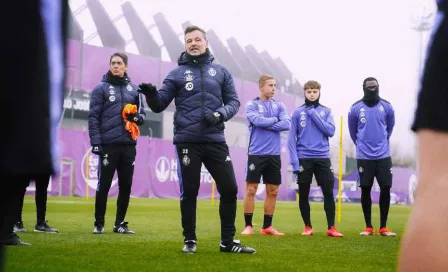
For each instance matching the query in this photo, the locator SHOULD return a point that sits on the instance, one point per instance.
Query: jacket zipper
(202, 100)
(122, 120)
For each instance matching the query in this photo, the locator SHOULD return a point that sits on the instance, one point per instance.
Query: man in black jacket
(205, 98)
(110, 140)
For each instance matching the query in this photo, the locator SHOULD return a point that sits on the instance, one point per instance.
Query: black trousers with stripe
(216, 159)
(120, 158)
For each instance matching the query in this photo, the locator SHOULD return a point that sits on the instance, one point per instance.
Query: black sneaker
(236, 247)
(189, 247)
(14, 240)
(18, 227)
(123, 228)
(44, 227)
(99, 227)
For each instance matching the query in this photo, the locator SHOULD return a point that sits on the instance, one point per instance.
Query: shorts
(319, 167)
(431, 103)
(267, 167)
(380, 169)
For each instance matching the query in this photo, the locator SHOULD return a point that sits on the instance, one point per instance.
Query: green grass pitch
(157, 244)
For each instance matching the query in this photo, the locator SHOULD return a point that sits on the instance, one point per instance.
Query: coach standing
(205, 98)
(112, 141)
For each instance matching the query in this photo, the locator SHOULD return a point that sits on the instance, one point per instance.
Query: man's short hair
(194, 28)
(369, 79)
(311, 84)
(123, 56)
(264, 78)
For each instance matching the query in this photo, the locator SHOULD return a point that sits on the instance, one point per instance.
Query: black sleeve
(432, 103)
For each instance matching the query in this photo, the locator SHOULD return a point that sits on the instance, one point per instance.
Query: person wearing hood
(371, 121)
(205, 98)
(110, 140)
(309, 151)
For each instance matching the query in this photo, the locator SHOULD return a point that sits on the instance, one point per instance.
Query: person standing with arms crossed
(267, 118)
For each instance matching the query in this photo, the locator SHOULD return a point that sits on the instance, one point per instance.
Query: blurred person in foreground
(424, 246)
(35, 41)
(40, 198)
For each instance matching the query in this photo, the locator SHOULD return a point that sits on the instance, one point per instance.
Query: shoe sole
(46, 231)
(237, 252)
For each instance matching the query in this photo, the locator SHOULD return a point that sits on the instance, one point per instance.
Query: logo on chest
(302, 119)
(111, 93)
(188, 75)
(189, 86)
(362, 115)
(211, 71)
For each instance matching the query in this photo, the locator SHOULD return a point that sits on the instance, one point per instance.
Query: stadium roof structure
(159, 40)
(145, 42)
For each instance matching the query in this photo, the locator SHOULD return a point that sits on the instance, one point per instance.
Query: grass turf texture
(158, 241)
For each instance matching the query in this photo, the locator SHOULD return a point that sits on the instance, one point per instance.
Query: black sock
(384, 205)
(329, 205)
(304, 204)
(248, 219)
(366, 203)
(267, 222)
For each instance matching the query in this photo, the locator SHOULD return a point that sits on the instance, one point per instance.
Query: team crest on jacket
(362, 112)
(129, 88)
(212, 71)
(381, 108)
(188, 75)
(322, 113)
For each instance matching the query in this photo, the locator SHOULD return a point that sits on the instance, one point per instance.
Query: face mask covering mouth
(371, 96)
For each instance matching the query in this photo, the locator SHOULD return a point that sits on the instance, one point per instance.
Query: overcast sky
(338, 43)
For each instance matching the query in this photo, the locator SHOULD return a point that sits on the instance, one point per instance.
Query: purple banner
(155, 173)
(355, 196)
(239, 89)
(288, 100)
(250, 91)
(95, 65)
